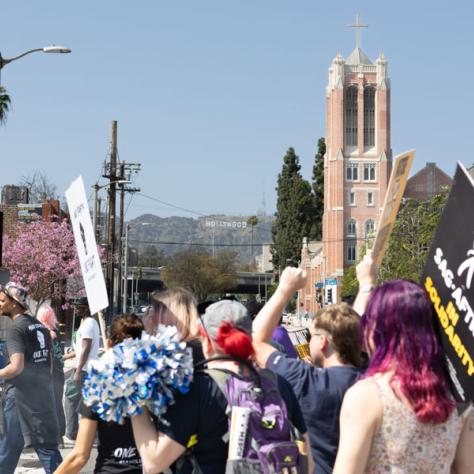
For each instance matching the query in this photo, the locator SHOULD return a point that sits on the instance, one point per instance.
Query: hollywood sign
(227, 224)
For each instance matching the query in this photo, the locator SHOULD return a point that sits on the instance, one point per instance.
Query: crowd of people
(373, 397)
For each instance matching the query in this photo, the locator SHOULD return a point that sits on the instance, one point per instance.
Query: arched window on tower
(369, 228)
(350, 116)
(369, 116)
(351, 228)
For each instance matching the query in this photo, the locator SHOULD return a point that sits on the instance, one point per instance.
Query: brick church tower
(358, 155)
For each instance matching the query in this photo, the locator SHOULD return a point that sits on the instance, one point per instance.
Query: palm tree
(252, 221)
(4, 105)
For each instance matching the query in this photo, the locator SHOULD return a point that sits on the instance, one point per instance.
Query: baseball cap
(225, 310)
(16, 292)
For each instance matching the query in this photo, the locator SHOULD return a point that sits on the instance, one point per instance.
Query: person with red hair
(47, 316)
(401, 417)
(193, 430)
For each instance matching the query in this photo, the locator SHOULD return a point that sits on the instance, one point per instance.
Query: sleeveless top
(404, 445)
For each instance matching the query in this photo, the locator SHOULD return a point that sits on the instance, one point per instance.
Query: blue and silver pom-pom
(139, 372)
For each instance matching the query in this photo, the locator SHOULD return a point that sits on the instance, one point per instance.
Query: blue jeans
(11, 445)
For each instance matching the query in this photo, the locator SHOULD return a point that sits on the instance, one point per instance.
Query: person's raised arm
(291, 280)
(367, 278)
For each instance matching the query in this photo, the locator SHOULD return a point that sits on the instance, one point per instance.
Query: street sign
(319, 284)
(331, 281)
(448, 279)
(86, 246)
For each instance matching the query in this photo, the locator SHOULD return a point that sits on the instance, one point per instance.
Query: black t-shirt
(319, 393)
(116, 451)
(33, 388)
(198, 419)
(29, 337)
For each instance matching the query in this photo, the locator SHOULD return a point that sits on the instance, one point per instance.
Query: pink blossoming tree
(42, 257)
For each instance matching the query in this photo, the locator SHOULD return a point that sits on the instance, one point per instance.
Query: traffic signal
(329, 296)
(319, 296)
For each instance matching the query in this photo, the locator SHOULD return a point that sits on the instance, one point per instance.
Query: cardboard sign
(86, 245)
(448, 278)
(299, 338)
(395, 190)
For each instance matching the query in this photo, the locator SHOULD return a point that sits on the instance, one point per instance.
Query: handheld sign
(448, 278)
(91, 267)
(395, 190)
(299, 338)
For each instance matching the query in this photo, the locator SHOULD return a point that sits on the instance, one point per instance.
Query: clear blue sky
(210, 94)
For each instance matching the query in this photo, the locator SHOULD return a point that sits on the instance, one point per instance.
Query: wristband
(367, 288)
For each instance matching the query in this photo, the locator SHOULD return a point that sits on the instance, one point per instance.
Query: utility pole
(95, 213)
(111, 174)
(130, 168)
(125, 271)
(120, 249)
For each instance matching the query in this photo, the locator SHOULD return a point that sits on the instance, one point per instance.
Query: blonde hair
(342, 324)
(173, 307)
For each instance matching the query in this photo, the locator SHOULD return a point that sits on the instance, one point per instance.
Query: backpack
(262, 440)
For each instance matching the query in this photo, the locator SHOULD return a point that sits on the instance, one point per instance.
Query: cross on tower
(358, 27)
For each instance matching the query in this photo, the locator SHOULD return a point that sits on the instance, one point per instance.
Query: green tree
(318, 191)
(411, 237)
(4, 105)
(252, 222)
(152, 257)
(295, 212)
(200, 272)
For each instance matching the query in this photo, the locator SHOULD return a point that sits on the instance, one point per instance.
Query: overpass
(150, 280)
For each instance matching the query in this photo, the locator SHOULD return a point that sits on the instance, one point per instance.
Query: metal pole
(111, 234)
(121, 224)
(95, 212)
(125, 272)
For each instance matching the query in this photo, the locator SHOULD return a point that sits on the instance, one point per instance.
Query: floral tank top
(404, 445)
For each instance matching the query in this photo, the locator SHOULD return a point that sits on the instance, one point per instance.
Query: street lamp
(46, 49)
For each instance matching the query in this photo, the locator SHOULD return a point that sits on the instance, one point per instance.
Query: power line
(173, 205)
(196, 244)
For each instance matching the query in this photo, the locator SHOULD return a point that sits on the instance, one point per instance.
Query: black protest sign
(448, 278)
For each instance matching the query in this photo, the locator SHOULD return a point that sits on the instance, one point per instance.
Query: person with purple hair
(401, 417)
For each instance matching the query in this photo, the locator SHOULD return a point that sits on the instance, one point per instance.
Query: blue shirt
(319, 393)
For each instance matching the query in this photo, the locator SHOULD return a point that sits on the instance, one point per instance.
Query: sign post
(86, 245)
(395, 190)
(448, 278)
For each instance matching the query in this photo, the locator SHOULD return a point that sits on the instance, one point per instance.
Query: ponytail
(234, 341)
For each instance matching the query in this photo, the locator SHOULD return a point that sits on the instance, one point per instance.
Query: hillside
(174, 234)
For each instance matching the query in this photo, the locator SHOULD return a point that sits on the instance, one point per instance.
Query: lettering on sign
(227, 224)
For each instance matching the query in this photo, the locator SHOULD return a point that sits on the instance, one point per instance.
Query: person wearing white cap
(28, 401)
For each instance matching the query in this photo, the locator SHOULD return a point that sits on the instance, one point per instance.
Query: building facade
(357, 168)
(358, 157)
(428, 182)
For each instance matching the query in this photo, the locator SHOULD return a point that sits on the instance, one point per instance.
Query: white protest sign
(86, 245)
